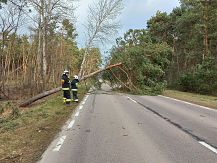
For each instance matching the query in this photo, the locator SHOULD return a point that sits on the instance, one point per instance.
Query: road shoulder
(202, 100)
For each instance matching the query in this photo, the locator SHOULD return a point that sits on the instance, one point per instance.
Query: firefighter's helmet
(75, 76)
(66, 72)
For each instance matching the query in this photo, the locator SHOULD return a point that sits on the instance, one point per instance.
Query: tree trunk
(81, 72)
(44, 60)
(55, 90)
(206, 44)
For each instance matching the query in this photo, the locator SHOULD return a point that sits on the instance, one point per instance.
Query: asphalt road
(116, 128)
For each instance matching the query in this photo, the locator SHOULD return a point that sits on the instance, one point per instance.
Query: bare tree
(102, 24)
(49, 11)
(11, 18)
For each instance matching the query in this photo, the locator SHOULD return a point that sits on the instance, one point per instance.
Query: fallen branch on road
(55, 90)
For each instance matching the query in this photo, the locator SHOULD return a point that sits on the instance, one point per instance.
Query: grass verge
(26, 137)
(204, 100)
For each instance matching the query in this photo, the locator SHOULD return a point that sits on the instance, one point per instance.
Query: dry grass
(204, 100)
(24, 139)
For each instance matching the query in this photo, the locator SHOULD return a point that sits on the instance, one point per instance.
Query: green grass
(25, 138)
(204, 100)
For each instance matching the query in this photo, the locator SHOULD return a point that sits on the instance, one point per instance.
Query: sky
(134, 15)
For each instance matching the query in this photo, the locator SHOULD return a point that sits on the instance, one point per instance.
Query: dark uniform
(66, 89)
(74, 87)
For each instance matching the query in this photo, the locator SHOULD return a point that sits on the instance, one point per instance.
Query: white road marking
(86, 97)
(201, 142)
(80, 107)
(59, 144)
(132, 99)
(208, 146)
(71, 124)
(77, 114)
(62, 139)
(187, 103)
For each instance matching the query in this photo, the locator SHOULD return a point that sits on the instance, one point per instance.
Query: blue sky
(134, 16)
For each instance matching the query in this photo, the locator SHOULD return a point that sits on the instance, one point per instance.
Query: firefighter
(74, 87)
(66, 87)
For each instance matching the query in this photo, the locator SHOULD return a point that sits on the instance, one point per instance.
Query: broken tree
(55, 90)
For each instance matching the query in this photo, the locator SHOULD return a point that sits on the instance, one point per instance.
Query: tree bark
(206, 32)
(44, 57)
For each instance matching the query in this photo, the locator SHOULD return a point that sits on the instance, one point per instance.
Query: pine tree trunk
(47, 93)
(206, 44)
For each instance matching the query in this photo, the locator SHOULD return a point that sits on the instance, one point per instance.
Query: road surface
(110, 127)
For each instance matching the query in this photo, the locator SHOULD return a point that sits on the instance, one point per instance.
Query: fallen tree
(96, 72)
(55, 90)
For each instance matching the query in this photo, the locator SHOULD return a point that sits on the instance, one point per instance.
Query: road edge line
(208, 146)
(189, 103)
(59, 144)
(132, 99)
(71, 124)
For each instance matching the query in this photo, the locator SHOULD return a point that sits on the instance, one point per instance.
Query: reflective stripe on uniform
(74, 89)
(76, 100)
(65, 89)
(68, 100)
